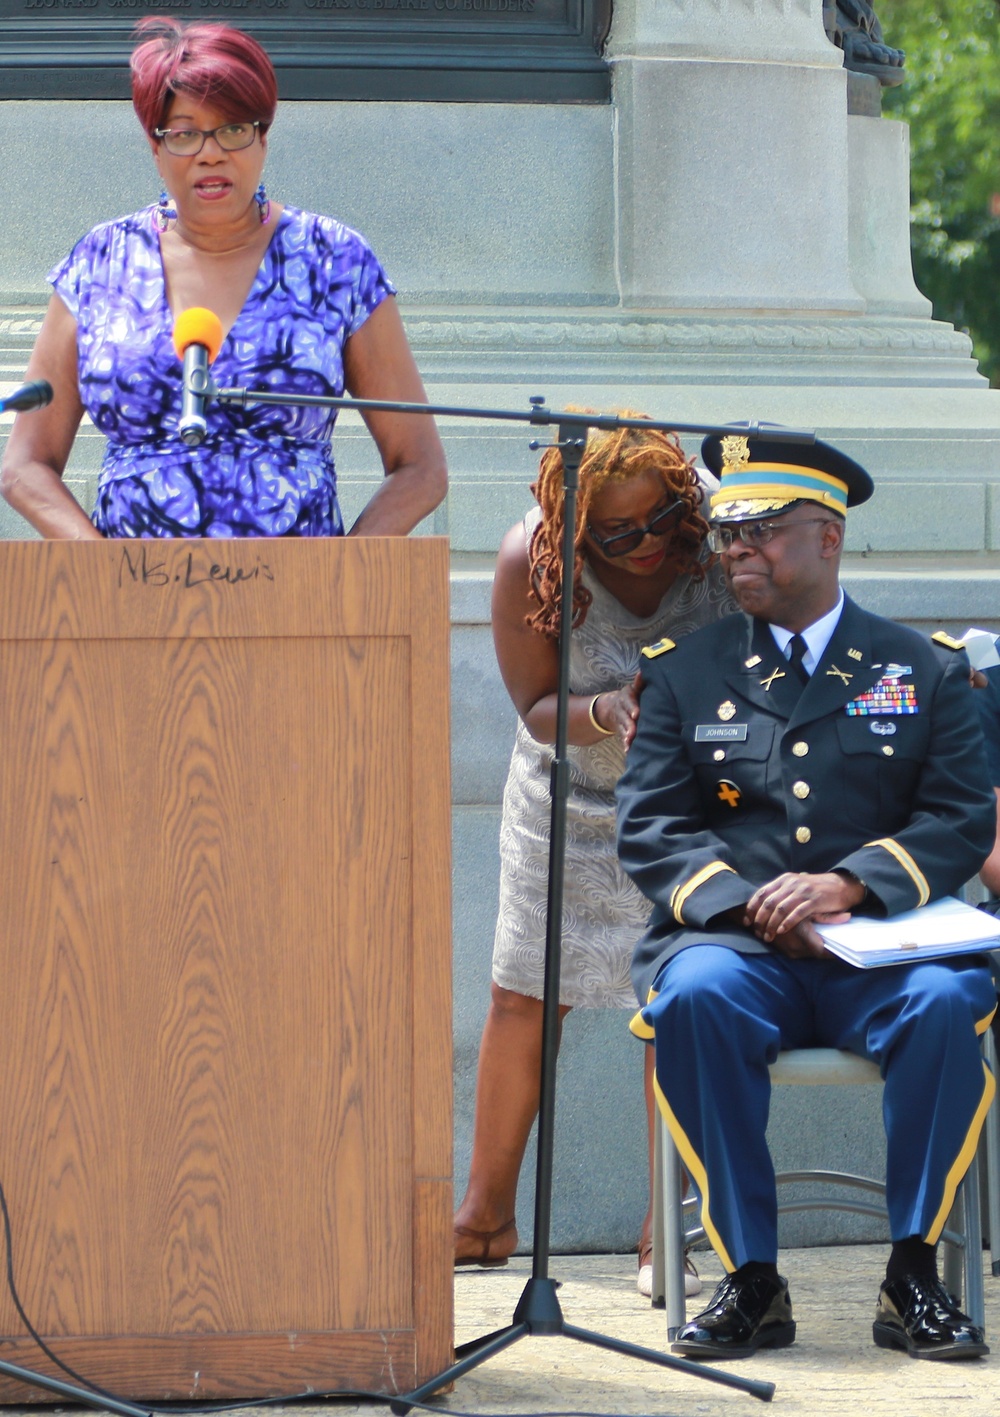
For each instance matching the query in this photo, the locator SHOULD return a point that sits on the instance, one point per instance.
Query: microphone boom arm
(539, 416)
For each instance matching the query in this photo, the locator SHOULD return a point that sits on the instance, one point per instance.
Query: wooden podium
(225, 1117)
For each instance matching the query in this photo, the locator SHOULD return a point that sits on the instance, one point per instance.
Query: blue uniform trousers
(720, 1017)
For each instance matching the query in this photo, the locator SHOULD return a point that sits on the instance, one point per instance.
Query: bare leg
(510, 1058)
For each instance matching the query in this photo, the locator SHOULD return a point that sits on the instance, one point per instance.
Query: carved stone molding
(587, 334)
(846, 349)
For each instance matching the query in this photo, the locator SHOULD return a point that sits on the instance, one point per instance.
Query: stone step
(932, 592)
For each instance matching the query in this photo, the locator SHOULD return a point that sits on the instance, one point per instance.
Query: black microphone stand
(538, 1310)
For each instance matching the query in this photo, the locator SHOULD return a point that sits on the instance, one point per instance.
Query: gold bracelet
(608, 732)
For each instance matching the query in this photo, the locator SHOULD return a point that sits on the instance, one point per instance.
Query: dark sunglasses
(626, 541)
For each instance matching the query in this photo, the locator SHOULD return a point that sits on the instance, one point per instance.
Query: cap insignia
(735, 453)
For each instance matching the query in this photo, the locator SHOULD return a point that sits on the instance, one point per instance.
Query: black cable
(181, 1410)
(99, 1391)
(32, 1331)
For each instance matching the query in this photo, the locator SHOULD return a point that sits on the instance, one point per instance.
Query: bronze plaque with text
(444, 50)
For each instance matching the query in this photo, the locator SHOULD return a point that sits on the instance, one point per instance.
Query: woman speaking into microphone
(303, 306)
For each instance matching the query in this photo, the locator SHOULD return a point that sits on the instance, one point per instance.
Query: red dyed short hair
(213, 63)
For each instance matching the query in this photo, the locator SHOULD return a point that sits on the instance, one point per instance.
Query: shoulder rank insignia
(661, 647)
(948, 641)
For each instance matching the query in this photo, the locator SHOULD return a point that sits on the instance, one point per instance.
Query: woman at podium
(304, 306)
(642, 573)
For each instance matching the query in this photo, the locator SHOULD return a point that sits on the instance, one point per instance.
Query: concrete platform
(832, 1370)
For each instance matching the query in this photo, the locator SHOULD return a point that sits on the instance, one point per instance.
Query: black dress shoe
(744, 1315)
(920, 1315)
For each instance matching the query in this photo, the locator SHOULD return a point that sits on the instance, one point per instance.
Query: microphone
(197, 340)
(34, 395)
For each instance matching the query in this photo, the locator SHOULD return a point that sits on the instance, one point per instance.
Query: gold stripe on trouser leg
(964, 1160)
(983, 1023)
(696, 1170)
(638, 1024)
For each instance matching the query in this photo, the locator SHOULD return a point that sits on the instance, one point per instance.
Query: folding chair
(962, 1261)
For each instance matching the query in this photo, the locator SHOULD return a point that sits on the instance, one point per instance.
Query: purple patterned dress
(261, 471)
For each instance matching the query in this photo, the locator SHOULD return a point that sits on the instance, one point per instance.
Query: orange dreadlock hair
(615, 456)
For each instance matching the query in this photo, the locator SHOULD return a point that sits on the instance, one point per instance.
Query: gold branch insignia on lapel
(839, 673)
(774, 674)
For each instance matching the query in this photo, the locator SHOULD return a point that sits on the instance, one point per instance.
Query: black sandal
(485, 1238)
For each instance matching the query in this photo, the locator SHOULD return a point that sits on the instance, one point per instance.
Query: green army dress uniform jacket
(738, 773)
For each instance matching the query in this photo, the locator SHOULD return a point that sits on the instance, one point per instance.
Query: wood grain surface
(226, 959)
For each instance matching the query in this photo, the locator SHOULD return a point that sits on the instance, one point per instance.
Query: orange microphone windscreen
(198, 326)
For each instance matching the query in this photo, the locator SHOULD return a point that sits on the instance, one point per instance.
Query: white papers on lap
(947, 927)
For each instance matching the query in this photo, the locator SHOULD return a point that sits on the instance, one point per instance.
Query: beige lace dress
(603, 912)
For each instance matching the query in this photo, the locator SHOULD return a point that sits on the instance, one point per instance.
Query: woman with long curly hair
(641, 573)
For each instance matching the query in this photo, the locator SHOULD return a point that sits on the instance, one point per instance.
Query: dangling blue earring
(263, 204)
(164, 213)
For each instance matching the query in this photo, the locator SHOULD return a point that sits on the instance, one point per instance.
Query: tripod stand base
(538, 1313)
(80, 1395)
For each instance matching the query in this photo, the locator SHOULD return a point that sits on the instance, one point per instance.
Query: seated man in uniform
(795, 764)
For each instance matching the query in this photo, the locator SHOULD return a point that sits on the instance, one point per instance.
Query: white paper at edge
(981, 647)
(947, 922)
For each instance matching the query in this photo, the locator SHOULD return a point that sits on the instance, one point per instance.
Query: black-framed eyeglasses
(188, 142)
(721, 538)
(625, 541)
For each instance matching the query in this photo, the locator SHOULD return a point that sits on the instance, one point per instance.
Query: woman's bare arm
(378, 364)
(31, 476)
(529, 661)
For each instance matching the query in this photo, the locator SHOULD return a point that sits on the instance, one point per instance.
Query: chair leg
(673, 1233)
(953, 1256)
(658, 1296)
(962, 1267)
(975, 1303)
(992, 1129)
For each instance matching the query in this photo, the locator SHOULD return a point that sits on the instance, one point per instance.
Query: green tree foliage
(951, 100)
